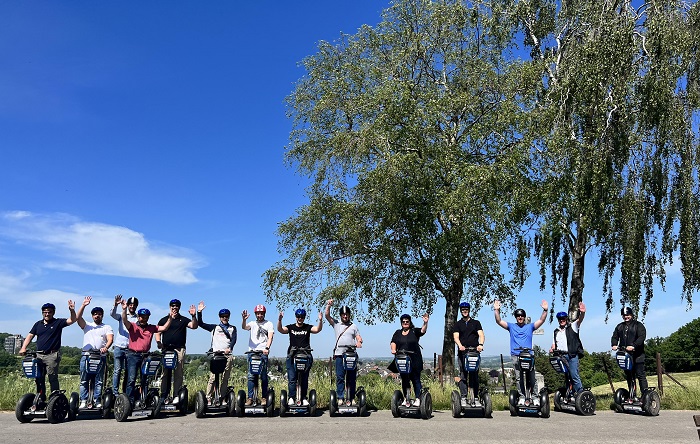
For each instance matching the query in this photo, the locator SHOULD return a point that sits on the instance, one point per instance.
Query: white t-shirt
(259, 332)
(95, 336)
(562, 343)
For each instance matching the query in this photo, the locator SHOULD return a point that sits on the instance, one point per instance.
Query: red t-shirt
(140, 337)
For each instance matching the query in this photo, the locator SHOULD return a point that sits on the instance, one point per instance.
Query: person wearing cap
(140, 340)
(121, 339)
(521, 337)
(407, 338)
(48, 333)
(261, 333)
(174, 339)
(630, 335)
(223, 338)
(467, 332)
(299, 337)
(346, 335)
(98, 336)
(566, 339)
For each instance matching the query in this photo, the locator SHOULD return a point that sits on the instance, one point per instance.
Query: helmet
(300, 313)
(519, 312)
(175, 303)
(134, 301)
(626, 311)
(97, 310)
(224, 312)
(260, 308)
(562, 315)
(345, 310)
(48, 306)
(405, 316)
(143, 312)
(464, 305)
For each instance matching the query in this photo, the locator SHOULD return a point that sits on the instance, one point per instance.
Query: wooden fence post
(659, 374)
(503, 372)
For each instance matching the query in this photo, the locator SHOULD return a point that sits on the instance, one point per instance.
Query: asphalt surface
(604, 427)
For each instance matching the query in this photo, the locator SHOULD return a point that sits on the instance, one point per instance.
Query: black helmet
(134, 301)
(97, 310)
(345, 310)
(48, 306)
(626, 311)
(405, 316)
(519, 312)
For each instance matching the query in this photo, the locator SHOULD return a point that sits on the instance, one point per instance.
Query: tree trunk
(578, 256)
(452, 299)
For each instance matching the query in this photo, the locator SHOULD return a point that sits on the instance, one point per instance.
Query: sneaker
(407, 403)
(536, 401)
(209, 400)
(416, 402)
(477, 403)
(98, 405)
(305, 402)
(175, 400)
(83, 404)
(290, 401)
(223, 402)
(249, 402)
(521, 401)
(348, 403)
(263, 402)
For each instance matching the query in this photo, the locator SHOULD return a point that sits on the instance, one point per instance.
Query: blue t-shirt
(48, 336)
(520, 337)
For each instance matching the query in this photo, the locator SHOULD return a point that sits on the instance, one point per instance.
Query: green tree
(616, 159)
(679, 351)
(409, 132)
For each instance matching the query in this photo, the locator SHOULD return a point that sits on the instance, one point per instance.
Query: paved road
(605, 427)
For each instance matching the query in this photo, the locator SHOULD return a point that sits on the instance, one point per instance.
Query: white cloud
(96, 248)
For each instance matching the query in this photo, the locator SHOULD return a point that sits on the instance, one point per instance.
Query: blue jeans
(340, 376)
(263, 379)
(293, 376)
(133, 362)
(119, 366)
(573, 372)
(86, 377)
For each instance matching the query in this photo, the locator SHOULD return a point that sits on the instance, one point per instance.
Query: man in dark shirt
(630, 335)
(174, 339)
(467, 332)
(299, 337)
(48, 342)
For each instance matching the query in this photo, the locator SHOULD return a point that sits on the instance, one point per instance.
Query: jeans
(175, 374)
(263, 379)
(119, 366)
(340, 375)
(293, 376)
(573, 372)
(133, 362)
(463, 375)
(86, 377)
(530, 377)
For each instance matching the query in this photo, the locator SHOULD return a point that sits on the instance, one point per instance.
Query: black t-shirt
(176, 335)
(48, 336)
(468, 332)
(410, 343)
(299, 336)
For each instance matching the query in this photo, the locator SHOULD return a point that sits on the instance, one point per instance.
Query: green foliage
(679, 351)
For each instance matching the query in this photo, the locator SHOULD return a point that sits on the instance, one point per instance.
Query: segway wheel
(456, 404)
(122, 407)
(396, 400)
(73, 406)
(240, 400)
(184, 401)
(362, 402)
(107, 403)
(487, 403)
(621, 395)
(558, 396)
(426, 406)
(544, 403)
(651, 403)
(24, 404)
(513, 397)
(312, 403)
(333, 403)
(585, 403)
(283, 403)
(155, 403)
(200, 404)
(57, 408)
(270, 407)
(230, 402)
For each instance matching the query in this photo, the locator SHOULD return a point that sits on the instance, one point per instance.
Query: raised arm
(126, 322)
(497, 314)
(117, 302)
(164, 327)
(581, 313)
(538, 323)
(71, 309)
(245, 316)
(329, 318)
(81, 310)
(424, 328)
(281, 328)
(316, 328)
(193, 323)
(200, 321)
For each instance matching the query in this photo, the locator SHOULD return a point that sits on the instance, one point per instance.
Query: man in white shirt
(98, 336)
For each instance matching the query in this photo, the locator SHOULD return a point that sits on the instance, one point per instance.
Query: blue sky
(142, 153)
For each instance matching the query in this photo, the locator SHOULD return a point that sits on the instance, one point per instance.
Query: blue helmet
(144, 312)
(224, 312)
(300, 313)
(562, 315)
(464, 305)
(175, 303)
(48, 306)
(97, 310)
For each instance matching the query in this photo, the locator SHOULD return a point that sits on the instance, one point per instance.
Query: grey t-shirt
(348, 336)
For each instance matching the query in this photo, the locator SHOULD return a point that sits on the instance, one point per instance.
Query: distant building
(13, 343)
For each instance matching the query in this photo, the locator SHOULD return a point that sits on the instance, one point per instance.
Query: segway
(626, 401)
(167, 405)
(531, 403)
(95, 359)
(302, 361)
(402, 403)
(566, 398)
(35, 405)
(469, 403)
(350, 362)
(147, 402)
(222, 402)
(256, 366)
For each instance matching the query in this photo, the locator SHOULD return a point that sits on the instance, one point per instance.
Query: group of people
(133, 340)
